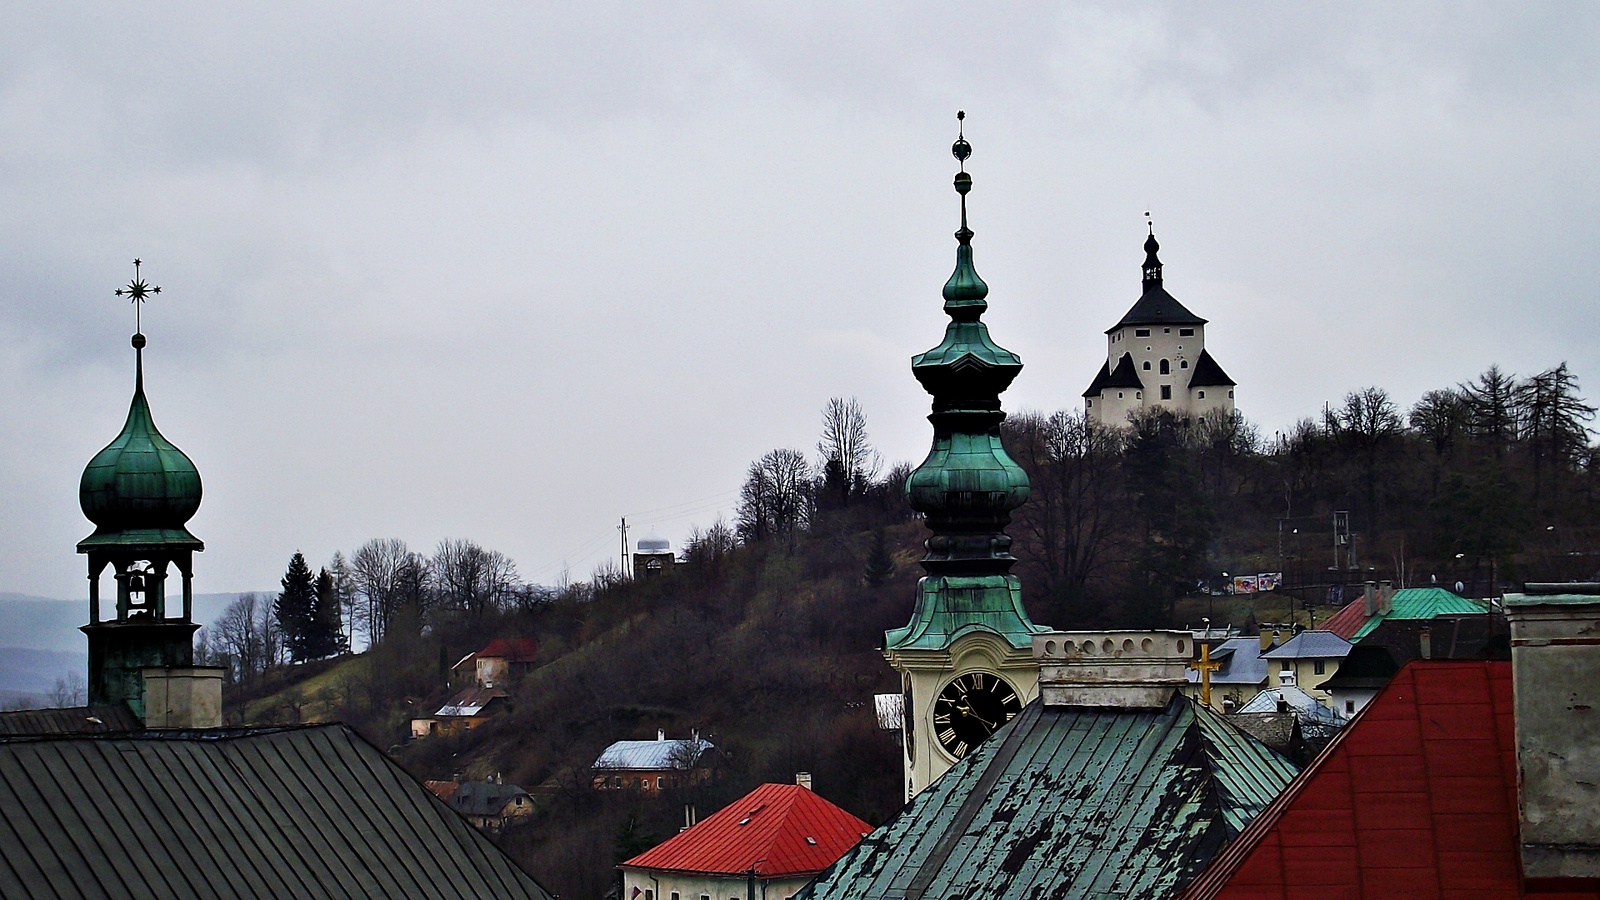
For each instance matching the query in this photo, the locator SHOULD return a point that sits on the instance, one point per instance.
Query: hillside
(768, 651)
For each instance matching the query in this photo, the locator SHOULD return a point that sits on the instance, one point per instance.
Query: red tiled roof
(444, 790)
(1416, 798)
(517, 650)
(1348, 620)
(780, 830)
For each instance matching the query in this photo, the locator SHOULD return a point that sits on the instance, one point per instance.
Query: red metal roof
(1348, 620)
(780, 830)
(517, 650)
(1416, 798)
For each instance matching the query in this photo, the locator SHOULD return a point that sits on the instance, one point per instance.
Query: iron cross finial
(137, 292)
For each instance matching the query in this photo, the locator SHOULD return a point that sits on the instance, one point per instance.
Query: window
(1230, 393)
(1183, 364)
(1185, 332)
(1089, 403)
(1138, 395)
(649, 894)
(1141, 332)
(1147, 365)
(658, 782)
(1166, 331)
(1119, 395)
(1286, 666)
(1202, 395)
(1166, 367)
(1320, 666)
(674, 895)
(1166, 392)
(1349, 706)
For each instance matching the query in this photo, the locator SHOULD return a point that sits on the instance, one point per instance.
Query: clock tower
(966, 657)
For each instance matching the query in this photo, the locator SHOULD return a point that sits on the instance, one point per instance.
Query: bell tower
(966, 657)
(140, 491)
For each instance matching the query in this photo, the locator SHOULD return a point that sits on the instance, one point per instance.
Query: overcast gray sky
(508, 272)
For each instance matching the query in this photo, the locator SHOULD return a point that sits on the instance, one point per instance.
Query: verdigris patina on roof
(1068, 802)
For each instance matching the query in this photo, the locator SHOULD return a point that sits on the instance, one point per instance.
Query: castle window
(1185, 332)
(1088, 403)
(1141, 332)
(1166, 392)
(1166, 367)
(1166, 331)
(1184, 364)
(1147, 365)
(1202, 395)
(1119, 395)
(1230, 394)
(1349, 706)
(1138, 395)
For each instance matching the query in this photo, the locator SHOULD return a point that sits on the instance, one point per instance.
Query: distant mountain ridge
(40, 640)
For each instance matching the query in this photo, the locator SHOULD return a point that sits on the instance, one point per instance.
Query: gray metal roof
(483, 798)
(70, 720)
(308, 812)
(1068, 802)
(1241, 662)
(1304, 705)
(652, 755)
(1311, 645)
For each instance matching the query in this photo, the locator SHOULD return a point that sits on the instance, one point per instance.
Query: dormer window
(1141, 332)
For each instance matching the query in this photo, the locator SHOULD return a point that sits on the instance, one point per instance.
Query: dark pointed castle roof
(1208, 374)
(1125, 375)
(1156, 306)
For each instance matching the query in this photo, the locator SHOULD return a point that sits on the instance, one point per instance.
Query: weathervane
(1149, 223)
(137, 292)
(961, 150)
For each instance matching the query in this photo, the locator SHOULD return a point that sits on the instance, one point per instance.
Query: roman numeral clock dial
(970, 708)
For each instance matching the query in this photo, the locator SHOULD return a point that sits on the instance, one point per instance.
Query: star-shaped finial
(137, 292)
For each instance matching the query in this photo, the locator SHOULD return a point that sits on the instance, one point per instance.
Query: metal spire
(137, 292)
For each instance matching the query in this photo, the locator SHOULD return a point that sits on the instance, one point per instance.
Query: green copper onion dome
(140, 489)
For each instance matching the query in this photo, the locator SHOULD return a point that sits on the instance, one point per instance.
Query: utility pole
(623, 528)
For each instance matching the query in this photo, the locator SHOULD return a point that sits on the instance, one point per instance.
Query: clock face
(971, 708)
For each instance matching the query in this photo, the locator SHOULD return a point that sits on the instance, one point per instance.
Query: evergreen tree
(296, 607)
(327, 625)
(880, 565)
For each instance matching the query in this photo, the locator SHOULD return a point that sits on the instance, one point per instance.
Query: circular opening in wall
(1127, 646)
(1050, 647)
(1088, 646)
(1107, 645)
(1146, 644)
(1180, 646)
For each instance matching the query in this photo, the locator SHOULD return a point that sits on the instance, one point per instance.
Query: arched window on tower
(1184, 364)
(1166, 367)
(1147, 365)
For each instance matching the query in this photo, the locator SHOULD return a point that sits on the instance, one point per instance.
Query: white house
(1156, 359)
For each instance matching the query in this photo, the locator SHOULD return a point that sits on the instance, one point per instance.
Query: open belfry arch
(966, 657)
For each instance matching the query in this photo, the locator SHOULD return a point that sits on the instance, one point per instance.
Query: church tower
(140, 491)
(1156, 358)
(966, 657)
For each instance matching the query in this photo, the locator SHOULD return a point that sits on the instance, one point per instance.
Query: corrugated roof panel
(307, 812)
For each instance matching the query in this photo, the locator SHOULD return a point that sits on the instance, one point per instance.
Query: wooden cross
(1205, 667)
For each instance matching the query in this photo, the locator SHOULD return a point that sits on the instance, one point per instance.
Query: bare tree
(344, 588)
(776, 498)
(238, 638)
(1553, 421)
(67, 691)
(1368, 424)
(1491, 409)
(377, 569)
(1442, 417)
(849, 464)
(707, 548)
(470, 579)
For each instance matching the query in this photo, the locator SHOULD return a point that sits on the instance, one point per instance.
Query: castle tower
(966, 657)
(1156, 358)
(140, 491)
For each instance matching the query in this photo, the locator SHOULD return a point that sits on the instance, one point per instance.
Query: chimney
(1385, 595)
(1369, 599)
(1425, 640)
(1266, 638)
(803, 779)
(1112, 669)
(182, 697)
(661, 734)
(1283, 705)
(1555, 679)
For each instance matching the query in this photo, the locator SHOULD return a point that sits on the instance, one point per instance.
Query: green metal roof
(301, 812)
(140, 489)
(1421, 603)
(1070, 803)
(950, 606)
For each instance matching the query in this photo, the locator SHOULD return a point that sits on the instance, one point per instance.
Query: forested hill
(765, 638)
